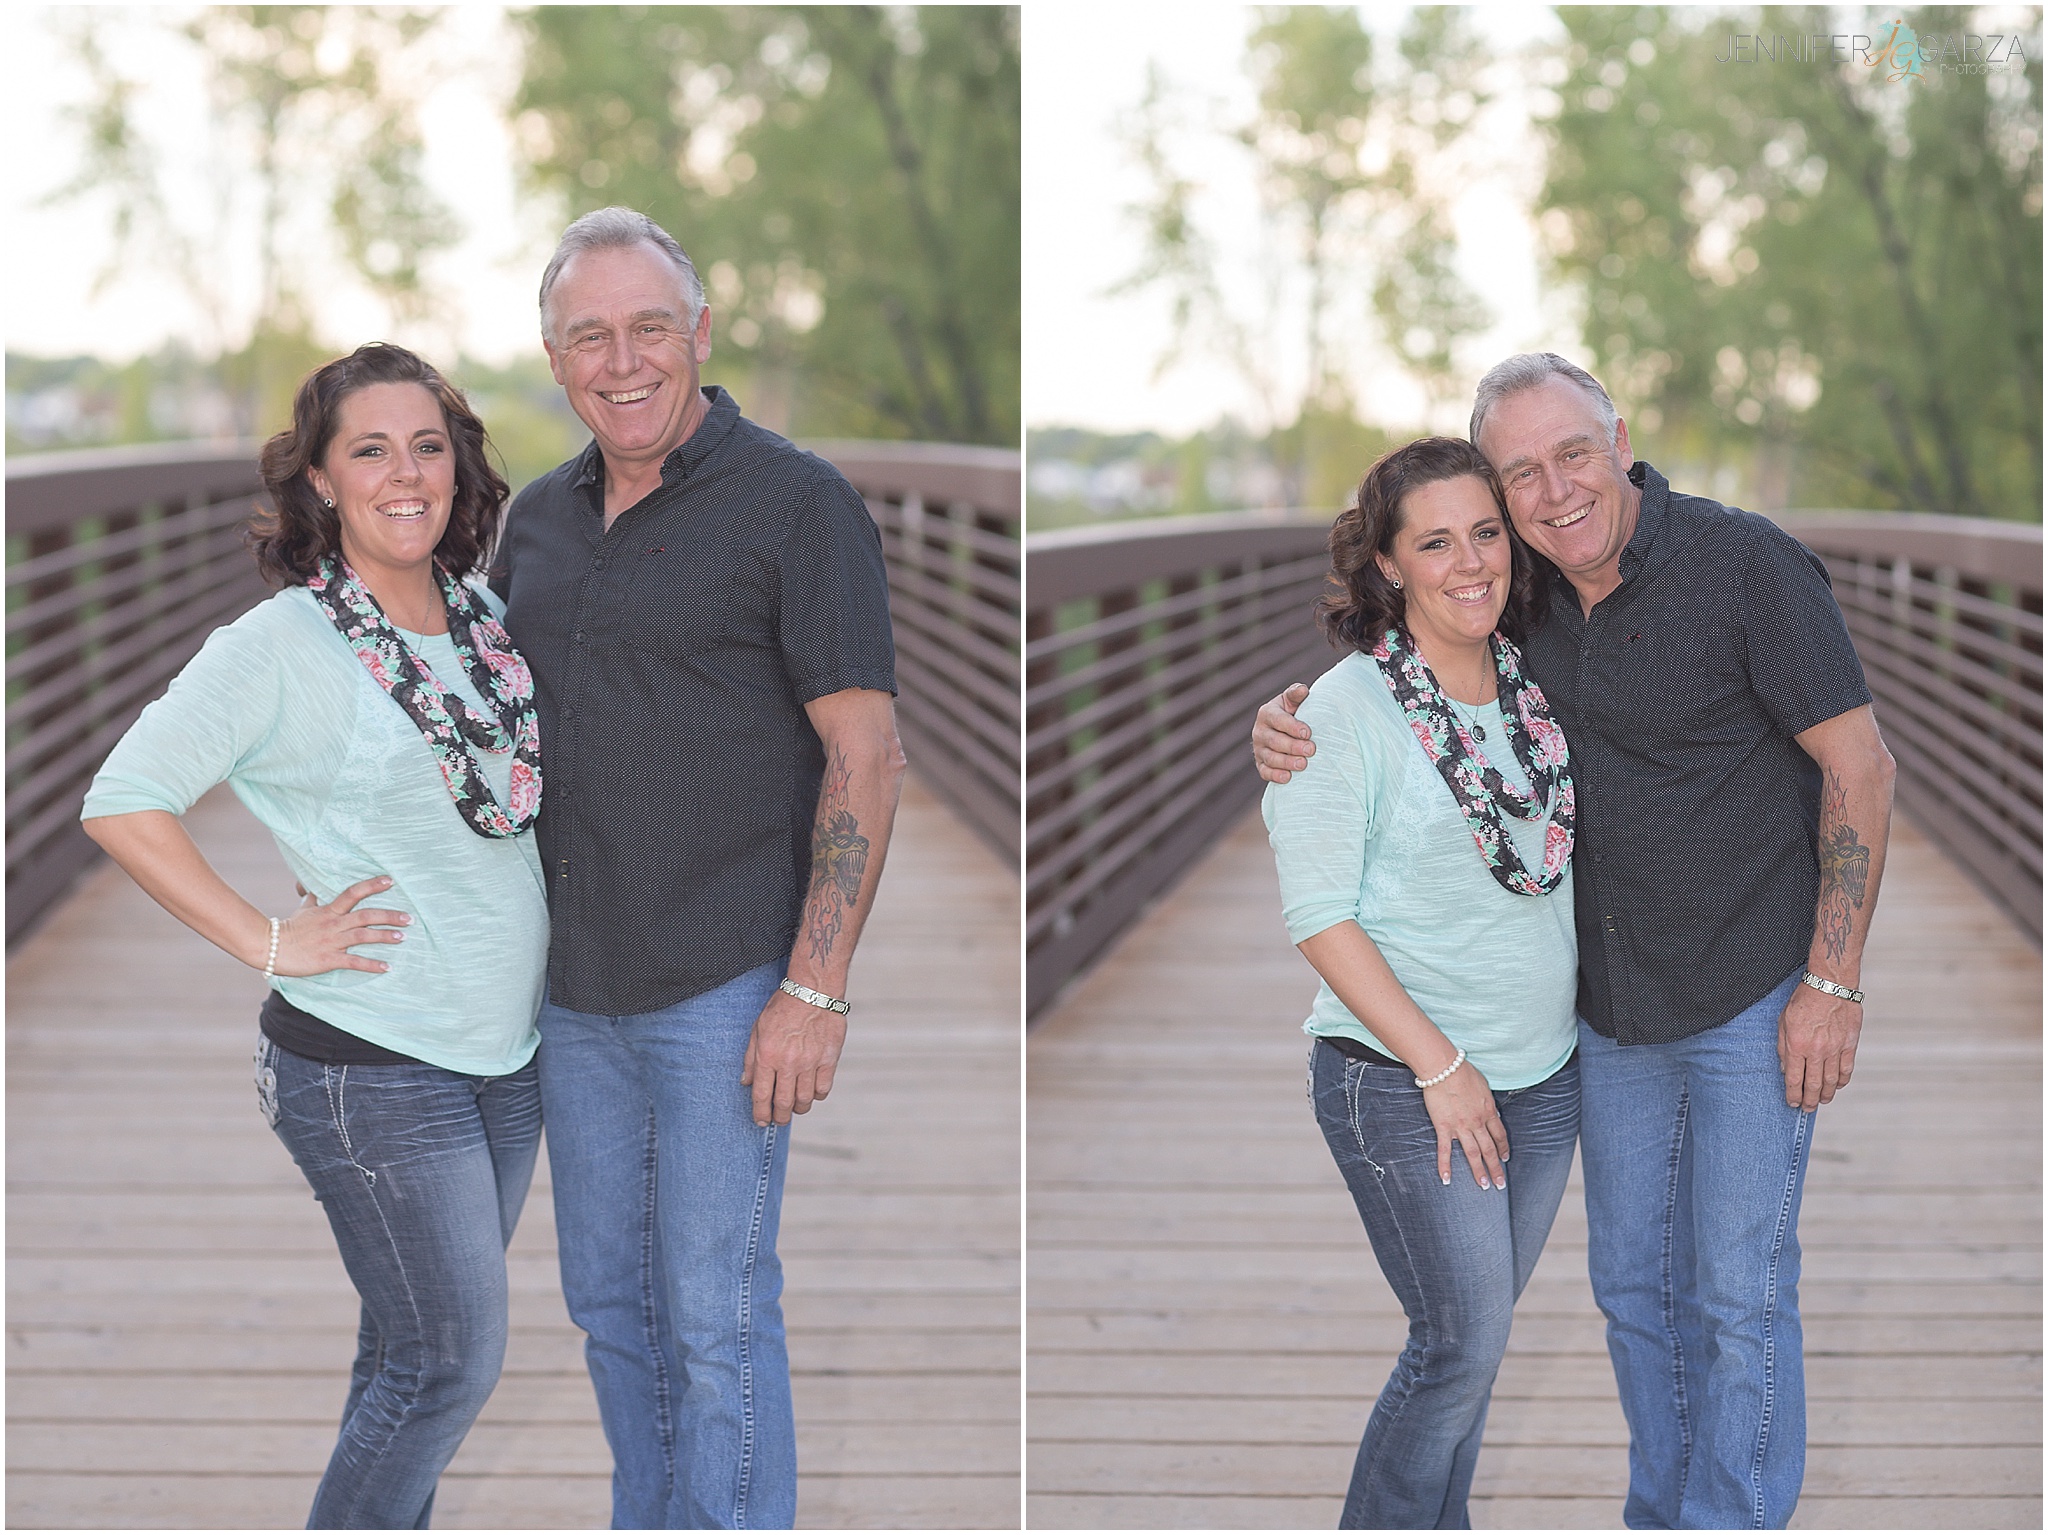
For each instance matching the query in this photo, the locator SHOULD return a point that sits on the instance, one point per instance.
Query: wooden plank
(1538, 1468)
(1359, 1371)
(1565, 1420)
(180, 1326)
(228, 1393)
(1209, 1329)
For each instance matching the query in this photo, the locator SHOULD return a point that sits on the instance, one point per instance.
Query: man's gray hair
(618, 229)
(1526, 370)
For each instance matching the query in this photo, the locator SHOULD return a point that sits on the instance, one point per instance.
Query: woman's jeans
(1694, 1166)
(667, 1199)
(1457, 1257)
(421, 1172)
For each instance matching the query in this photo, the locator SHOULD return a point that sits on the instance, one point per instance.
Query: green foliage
(1333, 449)
(531, 426)
(1223, 469)
(1352, 155)
(1828, 273)
(263, 375)
(54, 403)
(314, 124)
(845, 177)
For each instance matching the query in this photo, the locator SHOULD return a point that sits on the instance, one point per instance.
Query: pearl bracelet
(1455, 1064)
(270, 964)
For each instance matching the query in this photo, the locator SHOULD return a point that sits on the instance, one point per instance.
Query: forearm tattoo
(1844, 869)
(839, 859)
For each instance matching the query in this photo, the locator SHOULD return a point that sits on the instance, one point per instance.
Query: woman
(375, 718)
(1424, 862)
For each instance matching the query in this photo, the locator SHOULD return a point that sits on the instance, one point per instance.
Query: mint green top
(1369, 833)
(277, 706)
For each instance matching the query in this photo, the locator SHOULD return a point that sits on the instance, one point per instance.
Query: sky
(1090, 357)
(55, 254)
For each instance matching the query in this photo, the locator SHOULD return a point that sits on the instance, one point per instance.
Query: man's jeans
(422, 1173)
(1694, 1165)
(1457, 1257)
(667, 1198)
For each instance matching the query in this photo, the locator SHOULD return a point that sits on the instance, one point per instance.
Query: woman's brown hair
(295, 533)
(1361, 604)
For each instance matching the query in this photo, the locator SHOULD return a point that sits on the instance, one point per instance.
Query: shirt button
(578, 636)
(597, 564)
(568, 714)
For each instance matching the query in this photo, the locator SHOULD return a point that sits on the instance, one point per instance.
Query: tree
(313, 143)
(846, 177)
(1830, 270)
(1352, 158)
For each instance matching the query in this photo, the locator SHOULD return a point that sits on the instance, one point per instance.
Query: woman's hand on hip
(1462, 1109)
(317, 938)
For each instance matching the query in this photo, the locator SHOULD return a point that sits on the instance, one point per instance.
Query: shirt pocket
(680, 601)
(1681, 673)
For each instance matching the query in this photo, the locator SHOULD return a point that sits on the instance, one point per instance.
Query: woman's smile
(1453, 561)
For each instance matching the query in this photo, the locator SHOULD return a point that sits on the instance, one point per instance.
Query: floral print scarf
(449, 725)
(1475, 783)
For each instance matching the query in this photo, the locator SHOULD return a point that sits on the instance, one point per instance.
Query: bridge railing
(121, 561)
(1146, 648)
(1946, 615)
(950, 518)
(1148, 645)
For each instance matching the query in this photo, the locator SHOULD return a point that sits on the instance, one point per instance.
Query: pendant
(1478, 731)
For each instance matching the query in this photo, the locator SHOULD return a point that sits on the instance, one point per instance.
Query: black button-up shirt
(1695, 868)
(672, 656)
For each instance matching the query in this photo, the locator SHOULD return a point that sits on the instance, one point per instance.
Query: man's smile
(627, 397)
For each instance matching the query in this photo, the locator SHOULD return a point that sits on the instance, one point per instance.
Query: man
(1734, 800)
(705, 611)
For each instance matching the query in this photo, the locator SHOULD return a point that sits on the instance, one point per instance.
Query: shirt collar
(722, 412)
(1649, 517)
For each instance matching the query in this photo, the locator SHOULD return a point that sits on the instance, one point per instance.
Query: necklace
(1471, 720)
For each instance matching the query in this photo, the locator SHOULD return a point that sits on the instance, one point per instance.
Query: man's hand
(791, 1057)
(1817, 1034)
(1817, 1046)
(1280, 743)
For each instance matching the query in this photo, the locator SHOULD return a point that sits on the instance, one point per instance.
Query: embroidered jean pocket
(266, 1081)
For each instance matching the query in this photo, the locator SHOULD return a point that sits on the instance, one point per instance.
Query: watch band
(1832, 988)
(815, 998)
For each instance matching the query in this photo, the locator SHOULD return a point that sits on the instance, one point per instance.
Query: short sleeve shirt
(1681, 693)
(673, 654)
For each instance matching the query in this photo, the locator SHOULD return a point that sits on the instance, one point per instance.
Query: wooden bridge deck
(179, 1326)
(1208, 1329)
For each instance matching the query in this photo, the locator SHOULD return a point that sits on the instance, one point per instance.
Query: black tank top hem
(294, 1029)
